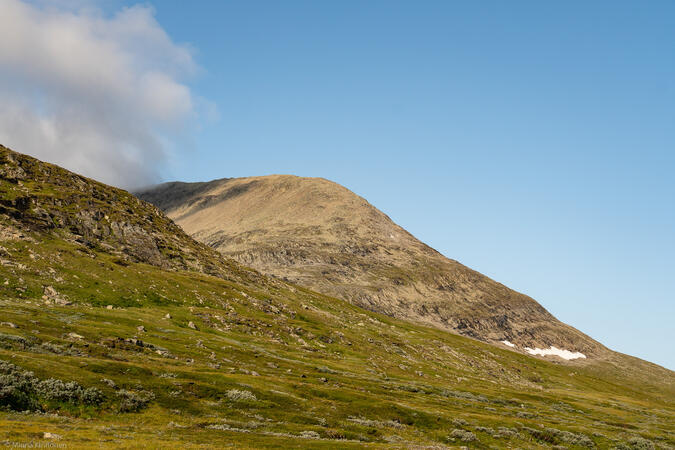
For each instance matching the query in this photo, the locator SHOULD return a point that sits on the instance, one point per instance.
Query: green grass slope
(105, 342)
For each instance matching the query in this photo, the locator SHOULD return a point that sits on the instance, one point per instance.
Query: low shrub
(463, 435)
(554, 436)
(21, 390)
(53, 389)
(505, 432)
(32, 344)
(16, 388)
(636, 443)
(134, 401)
(463, 395)
(237, 395)
(310, 435)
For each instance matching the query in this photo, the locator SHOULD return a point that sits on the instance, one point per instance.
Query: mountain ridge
(317, 233)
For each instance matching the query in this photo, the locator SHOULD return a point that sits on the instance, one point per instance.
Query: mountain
(318, 234)
(118, 330)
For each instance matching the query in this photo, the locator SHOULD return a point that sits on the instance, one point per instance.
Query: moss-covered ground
(315, 371)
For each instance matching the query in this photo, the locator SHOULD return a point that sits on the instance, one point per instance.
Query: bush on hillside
(21, 390)
(238, 395)
(134, 401)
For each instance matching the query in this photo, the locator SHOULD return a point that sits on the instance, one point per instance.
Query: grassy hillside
(183, 348)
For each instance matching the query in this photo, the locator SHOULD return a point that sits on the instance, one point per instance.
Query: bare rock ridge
(318, 234)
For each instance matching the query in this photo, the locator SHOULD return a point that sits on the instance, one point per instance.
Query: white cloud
(97, 94)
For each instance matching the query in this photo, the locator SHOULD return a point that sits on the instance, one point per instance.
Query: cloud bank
(99, 95)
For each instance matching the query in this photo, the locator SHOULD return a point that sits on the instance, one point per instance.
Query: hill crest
(319, 234)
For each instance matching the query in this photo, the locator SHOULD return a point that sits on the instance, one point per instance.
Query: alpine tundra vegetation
(119, 330)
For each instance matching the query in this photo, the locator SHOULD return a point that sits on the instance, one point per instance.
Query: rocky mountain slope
(117, 330)
(42, 197)
(321, 235)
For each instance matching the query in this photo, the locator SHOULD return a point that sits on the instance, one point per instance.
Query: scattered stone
(51, 296)
(109, 382)
(141, 328)
(109, 307)
(49, 291)
(75, 336)
(8, 324)
(192, 325)
(48, 435)
(168, 316)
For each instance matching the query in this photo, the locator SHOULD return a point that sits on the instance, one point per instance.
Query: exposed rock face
(38, 196)
(318, 234)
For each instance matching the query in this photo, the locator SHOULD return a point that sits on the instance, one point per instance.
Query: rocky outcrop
(41, 197)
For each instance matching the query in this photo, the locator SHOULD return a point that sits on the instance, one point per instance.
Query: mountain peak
(319, 234)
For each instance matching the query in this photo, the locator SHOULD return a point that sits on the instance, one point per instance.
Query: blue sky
(532, 141)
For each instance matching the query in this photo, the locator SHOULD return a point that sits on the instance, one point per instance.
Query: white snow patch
(555, 351)
(510, 344)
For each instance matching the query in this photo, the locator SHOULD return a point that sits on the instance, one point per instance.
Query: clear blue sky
(532, 141)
